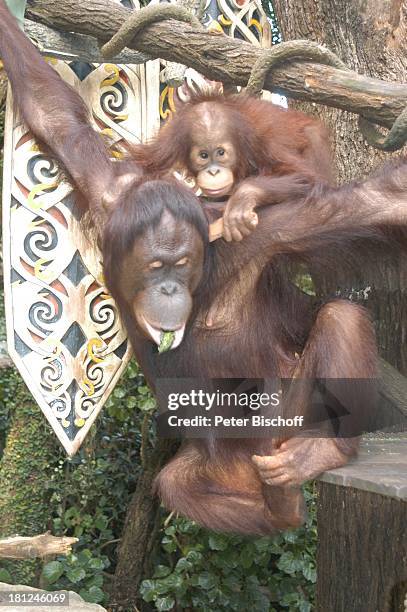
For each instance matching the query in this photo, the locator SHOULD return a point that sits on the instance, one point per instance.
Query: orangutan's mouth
(156, 334)
(216, 193)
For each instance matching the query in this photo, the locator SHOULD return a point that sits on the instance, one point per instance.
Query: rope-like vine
(143, 18)
(393, 141)
(287, 51)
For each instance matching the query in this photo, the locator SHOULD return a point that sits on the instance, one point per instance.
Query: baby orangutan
(249, 151)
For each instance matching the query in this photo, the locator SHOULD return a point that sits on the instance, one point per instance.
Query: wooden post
(362, 529)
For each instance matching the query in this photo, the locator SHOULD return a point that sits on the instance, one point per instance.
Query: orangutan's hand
(298, 460)
(239, 218)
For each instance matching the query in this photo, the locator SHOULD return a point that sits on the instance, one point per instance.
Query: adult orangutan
(248, 150)
(232, 314)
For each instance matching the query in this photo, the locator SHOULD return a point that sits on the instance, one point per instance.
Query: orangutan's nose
(168, 288)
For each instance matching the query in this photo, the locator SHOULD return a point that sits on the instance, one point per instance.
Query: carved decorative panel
(64, 332)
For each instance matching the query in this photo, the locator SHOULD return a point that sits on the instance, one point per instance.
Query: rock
(76, 603)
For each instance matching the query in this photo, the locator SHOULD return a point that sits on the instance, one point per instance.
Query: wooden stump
(362, 528)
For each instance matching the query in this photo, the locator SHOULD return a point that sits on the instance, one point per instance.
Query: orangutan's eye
(182, 262)
(155, 264)
(203, 154)
(221, 152)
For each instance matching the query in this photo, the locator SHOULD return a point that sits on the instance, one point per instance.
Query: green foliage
(10, 383)
(303, 280)
(24, 469)
(90, 493)
(82, 572)
(5, 576)
(86, 496)
(213, 572)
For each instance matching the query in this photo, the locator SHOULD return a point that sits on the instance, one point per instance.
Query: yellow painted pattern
(93, 344)
(38, 204)
(117, 154)
(215, 28)
(40, 271)
(257, 25)
(111, 80)
(167, 92)
(226, 22)
(88, 388)
(107, 132)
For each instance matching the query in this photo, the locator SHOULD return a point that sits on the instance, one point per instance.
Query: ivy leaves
(201, 570)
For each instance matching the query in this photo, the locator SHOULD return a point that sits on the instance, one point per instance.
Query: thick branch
(44, 545)
(228, 60)
(68, 46)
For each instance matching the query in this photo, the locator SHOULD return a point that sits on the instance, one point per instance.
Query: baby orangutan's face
(212, 157)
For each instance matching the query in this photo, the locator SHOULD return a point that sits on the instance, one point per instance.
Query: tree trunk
(370, 37)
(141, 529)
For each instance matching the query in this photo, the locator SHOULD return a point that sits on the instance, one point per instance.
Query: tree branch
(43, 545)
(229, 60)
(69, 47)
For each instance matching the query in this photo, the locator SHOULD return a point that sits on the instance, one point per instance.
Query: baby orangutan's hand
(239, 218)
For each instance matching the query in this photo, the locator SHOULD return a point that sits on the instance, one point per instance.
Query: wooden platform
(362, 529)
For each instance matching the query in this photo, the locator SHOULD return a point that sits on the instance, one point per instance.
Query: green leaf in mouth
(166, 341)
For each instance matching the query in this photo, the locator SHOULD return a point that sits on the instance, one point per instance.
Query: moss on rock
(24, 472)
